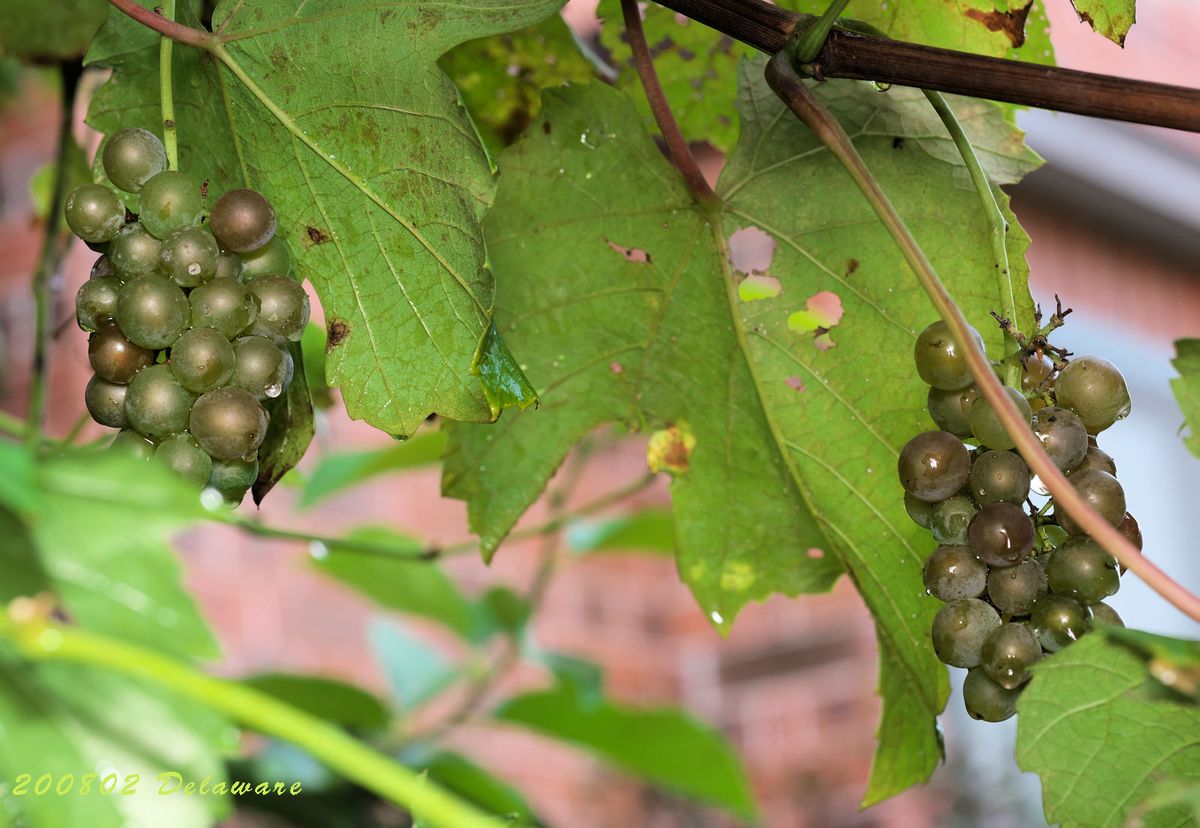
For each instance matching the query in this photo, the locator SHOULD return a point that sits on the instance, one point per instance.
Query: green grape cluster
(189, 315)
(1016, 581)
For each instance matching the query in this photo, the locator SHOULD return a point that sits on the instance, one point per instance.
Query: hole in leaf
(758, 286)
(796, 384)
(751, 250)
(815, 553)
(616, 368)
(631, 254)
(822, 312)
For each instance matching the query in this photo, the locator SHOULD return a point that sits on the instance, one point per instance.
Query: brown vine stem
(677, 145)
(847, 54)
(789, 86)
(167, 28)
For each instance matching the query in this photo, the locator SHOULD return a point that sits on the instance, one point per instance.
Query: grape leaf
(1102, 734)
(649, 530)
(55, 31)
(100, 522)
(67, 720)
(664, 745)
(339, 114)
(796, 424)
(1187, 389)
(501, 77)
(329, 699)
(1111, 18)
(337, 472)
(456, 773)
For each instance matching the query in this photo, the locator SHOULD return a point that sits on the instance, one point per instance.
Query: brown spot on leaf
(670, 449)
(546, 127)
(1010, 23)
(337, 332)
(851, 266)
(316, 235)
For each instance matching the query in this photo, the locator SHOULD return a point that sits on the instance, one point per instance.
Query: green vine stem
(165, 48)
(39, 639)
(789, 86)
(677, 145)
(997, 226)
(809, 39)
(50, 257)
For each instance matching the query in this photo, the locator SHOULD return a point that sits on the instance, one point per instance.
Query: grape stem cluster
(789, 86)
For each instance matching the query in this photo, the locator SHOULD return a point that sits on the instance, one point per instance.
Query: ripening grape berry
(949, 520)
(114, 358)
(152, 311)
(1102, 492)
(96, 302)
(1130, 529)
(170, 202)
(948, 409)
(959, 630)
(183, 454)
(228, 423)
(1095, 390)
(985, 424)
(189, 257)
(954, 572)
(1007, 654)
(202, 359)
(229, 266)
(987, 700)
(130, 442)
(1036, 373)
(919, 510)
(1059, 620)
(103, 268)
(1096, 459)
(1105, 616)
(94, 213)
(941, 362)
(132, 157)
(1062, 435)
(242, 221)
(105, 401)
(1001, 534)
(1013, 590)
(1081, 569)
(261, 367)
(273, 257)
(156, 405)
(224, 305)
(934, 465)
(999, 477)
(283, 307)
(233, 477)
(134, 252)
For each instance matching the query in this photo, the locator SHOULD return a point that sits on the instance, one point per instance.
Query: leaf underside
(1103, 735)
(623, 301)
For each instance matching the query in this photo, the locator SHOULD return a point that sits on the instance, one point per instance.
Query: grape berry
(189, 320)
(1016, 581)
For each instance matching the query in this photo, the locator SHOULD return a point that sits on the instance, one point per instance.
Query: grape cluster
(189, 319)
(1017, 581)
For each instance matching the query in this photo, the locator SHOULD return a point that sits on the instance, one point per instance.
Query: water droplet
(211, 499)
(318, 550)
(273, 390)
(716, 617)
(880, 87)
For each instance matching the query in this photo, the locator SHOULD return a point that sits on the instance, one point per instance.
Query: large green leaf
(71, 721)
(1187, 388)
(100, 522)
(340, 115)
(329, 699)
(1103, 735)
(665, 745)
(337, 472)
(796, 420)
(456, 773)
